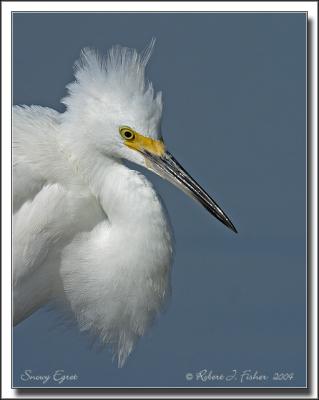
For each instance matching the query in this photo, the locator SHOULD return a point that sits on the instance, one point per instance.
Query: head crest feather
(120, 73)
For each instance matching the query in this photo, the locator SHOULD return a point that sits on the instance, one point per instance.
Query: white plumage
(90, 234)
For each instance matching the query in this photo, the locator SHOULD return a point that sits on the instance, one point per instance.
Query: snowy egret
(90, 234)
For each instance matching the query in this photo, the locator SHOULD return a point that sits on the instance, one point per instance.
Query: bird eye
(127, 133)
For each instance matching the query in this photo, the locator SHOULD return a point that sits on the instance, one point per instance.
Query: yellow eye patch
(138, 142)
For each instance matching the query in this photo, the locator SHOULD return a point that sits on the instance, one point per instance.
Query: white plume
(115, 79)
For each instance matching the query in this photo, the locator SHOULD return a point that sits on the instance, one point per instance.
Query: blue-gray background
(234, 88)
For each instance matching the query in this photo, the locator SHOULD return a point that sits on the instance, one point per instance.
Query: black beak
(167, 167)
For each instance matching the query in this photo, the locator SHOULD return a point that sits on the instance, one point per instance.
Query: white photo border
(311, 8)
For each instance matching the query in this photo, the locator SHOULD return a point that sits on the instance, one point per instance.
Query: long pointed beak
(167, 167)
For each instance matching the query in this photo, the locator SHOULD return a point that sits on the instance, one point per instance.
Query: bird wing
(41, 229)
(31, 126)
(38, 158)
(48, 212)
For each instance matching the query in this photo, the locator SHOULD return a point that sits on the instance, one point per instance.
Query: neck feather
(125, 195)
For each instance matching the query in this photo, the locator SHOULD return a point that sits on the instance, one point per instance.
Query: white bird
(90, 234)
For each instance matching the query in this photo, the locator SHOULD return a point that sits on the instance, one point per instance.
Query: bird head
(119, 114)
